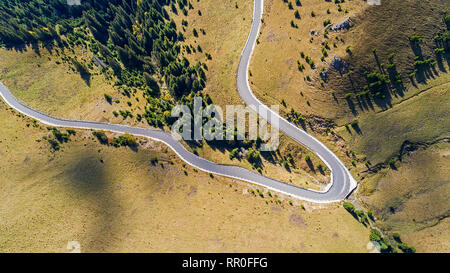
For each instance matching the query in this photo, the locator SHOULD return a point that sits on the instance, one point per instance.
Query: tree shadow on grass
(351, 106)
(311, 165)
(87, 177)
(356, 127)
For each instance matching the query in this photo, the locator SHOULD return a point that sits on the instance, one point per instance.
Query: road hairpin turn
(341, 184)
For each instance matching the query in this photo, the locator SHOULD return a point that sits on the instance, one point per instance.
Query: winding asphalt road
(342, 183)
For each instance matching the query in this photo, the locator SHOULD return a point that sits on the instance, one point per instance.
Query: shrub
(396, 237)
(125, 140)
(447, 20)
(362, 216)
(54, 144)
(415, 39)
(370, 214)
(102, 138)
(154, 160)
(293, 24)
(392, 162)
(406, 248)
(375, 235)
(253, 155)
(391, 57)
(108, 98)
(349, 207)
(348, 50)
(61, 137)
(234, 153)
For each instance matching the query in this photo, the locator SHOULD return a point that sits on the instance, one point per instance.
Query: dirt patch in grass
(297, 220)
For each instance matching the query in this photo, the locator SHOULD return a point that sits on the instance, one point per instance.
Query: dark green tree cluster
(385, 245)
(442, 40)
(29, 21)
(377, 84)
(132, 37)
(144, 38)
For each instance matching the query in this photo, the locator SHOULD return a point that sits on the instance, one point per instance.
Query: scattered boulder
(342, 26)
(324, 75)
(338, 63)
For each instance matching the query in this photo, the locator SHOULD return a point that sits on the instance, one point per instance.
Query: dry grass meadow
(114, 200)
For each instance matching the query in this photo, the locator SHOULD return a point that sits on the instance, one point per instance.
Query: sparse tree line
(123, 140)
(385, 244)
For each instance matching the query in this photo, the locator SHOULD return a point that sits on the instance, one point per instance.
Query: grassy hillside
(424, 117)
(280, 69)
(119, 200)
(402, 49)
(388, 97)
(412, 199)
(45, 83)
(144, 199)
